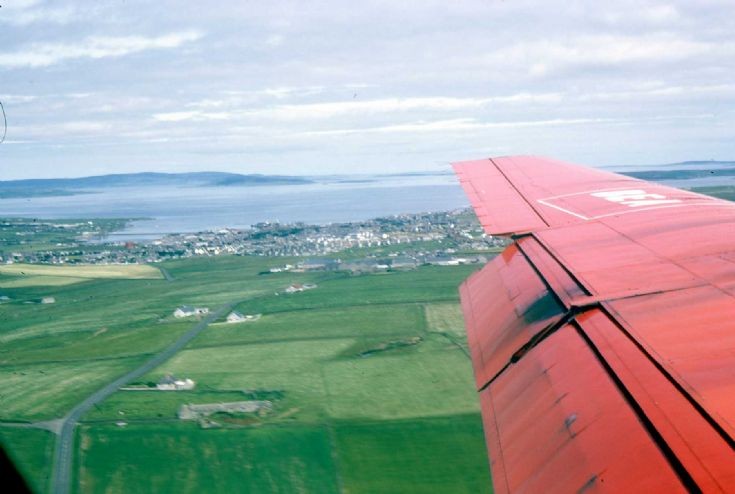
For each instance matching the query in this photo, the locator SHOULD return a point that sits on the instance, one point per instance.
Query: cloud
(82, 127)
(95, 47)
(542, 57)
(650, 93)
(579, 82)
(237, 107)
(393, 105)
(17, 98)
(194, 115)
(619, 14)
(471, 124)
(24, 17)
(275, 40)
(462, 124)
(58, 131)
(661, 13)
(24, 12)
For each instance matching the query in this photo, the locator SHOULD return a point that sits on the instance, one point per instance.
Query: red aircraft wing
(603, 338)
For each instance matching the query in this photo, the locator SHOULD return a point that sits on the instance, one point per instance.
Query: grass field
(427, 380)
(341, 322)
(20, 281)
(417, 456)
(116, 271)
(174, 458)
(438, 455)
(30, 449)
(95, 343)
(48, 390)
(371, 356)
(445, 318)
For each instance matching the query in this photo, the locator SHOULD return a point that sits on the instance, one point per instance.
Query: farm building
(193, 412)
(188, 311)
(298, 287)
(403, 263)
(318, 264)
(170, 383)
(234, 317)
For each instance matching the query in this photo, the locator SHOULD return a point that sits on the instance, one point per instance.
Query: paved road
(49, 425)
(64, 451)
(165, 273)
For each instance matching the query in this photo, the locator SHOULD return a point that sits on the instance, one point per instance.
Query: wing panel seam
(500, 170)
(610, 313)
(681, 471)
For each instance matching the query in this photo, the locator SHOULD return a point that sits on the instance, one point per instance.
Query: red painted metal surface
(497, 201)
(684, 429)
(508, 305)
(645, 277)
(561, 194)
(563, 426)
(691, 334)
(563, 284)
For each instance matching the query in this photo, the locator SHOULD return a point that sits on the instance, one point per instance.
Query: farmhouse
(234, 317)
(170, 383)
(298, 287)
(188, 311)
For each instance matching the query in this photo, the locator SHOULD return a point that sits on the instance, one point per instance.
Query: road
(166, 274)
(61, 475)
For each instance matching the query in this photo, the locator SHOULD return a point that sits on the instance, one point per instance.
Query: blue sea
(194, 209)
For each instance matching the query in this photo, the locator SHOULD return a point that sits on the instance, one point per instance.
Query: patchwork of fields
(369, 379)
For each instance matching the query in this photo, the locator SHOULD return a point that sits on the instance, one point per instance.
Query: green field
(421, 455)
(48, 390)
(369, 379)
(413, 456)
(30, 449)
(172, 458)
(119, 271)
(20, 281)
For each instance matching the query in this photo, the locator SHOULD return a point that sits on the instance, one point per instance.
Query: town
(406, 240)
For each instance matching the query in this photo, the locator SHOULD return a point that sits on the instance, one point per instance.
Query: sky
(314, 87)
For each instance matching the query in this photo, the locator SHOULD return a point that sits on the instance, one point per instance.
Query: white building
(188, 311)
(170, 383)
(234, 317)
(298, 287)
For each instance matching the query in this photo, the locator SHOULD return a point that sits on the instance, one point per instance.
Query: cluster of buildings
(70, 241)
(374, 263)
(446, 231)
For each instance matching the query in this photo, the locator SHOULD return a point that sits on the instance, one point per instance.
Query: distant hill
(685, 170)
(71, 186)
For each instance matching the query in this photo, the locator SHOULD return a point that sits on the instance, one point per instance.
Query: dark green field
(370, 383)
(31, 450)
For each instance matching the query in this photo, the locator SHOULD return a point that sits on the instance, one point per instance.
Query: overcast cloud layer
(355, 87)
